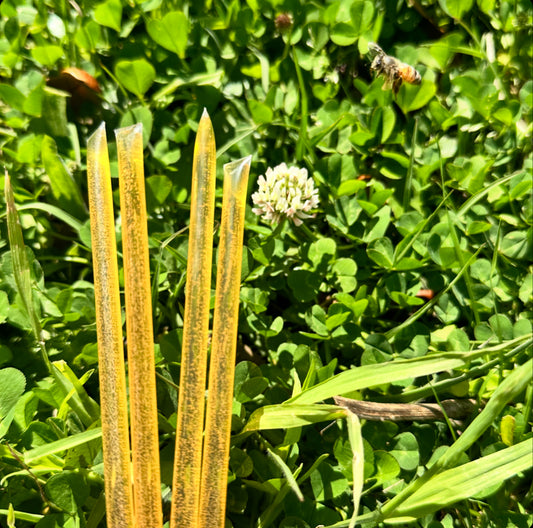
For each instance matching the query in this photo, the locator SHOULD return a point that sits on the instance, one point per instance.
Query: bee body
(394, 70)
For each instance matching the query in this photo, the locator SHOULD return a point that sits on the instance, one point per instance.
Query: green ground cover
(412, 281)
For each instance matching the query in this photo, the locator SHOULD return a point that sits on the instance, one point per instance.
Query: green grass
(431, 190)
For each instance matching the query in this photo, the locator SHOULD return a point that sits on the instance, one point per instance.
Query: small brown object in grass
(82, 87)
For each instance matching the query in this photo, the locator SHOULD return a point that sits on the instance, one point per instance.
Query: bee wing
(388, 84)
(374, 50)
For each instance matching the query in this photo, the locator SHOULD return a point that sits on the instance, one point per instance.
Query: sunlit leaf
(171, 32)
(137, 75)
(412, 98)
(47, 55)
(109, 14)
(456, 8)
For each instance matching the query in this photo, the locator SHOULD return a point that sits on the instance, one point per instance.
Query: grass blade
(358, 462)
(21, 266)
(24, 516)
(61, 445)
(293, 415)
(467, 480)
(510, 388)
(429, 305)
(53, 210)
(139, 329)
(371, 375)
(215, 458)
(287, 473)
(190, 420)
(113, 396)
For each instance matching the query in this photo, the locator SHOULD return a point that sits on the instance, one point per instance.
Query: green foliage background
(428, 191)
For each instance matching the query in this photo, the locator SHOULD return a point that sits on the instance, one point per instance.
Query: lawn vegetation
(411, 281)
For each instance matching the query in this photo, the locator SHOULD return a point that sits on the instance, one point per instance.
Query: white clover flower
(285, 192)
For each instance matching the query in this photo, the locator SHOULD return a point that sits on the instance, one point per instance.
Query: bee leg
(396, 85)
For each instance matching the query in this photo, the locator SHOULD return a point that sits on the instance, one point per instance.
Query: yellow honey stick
(189, 426)
(139, 330)
(215, 457)
(113, 399)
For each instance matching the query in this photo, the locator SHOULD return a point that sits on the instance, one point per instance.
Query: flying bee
(394, 70)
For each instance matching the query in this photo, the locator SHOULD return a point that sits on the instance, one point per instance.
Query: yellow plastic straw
(143, 404)
(189, 427)
(215, 458)
(115, 434)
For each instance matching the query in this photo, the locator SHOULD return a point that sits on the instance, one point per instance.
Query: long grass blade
(190, 420)
(508, 389)
(467, 480)
(24, 516)
(113, 396)
(290, 416)
(215, 457)
(358, 462)
(141, 361)
(287, 473)
(62, 445)
(428, 306)
(21, 266)
(53, 210)
(372, 375)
